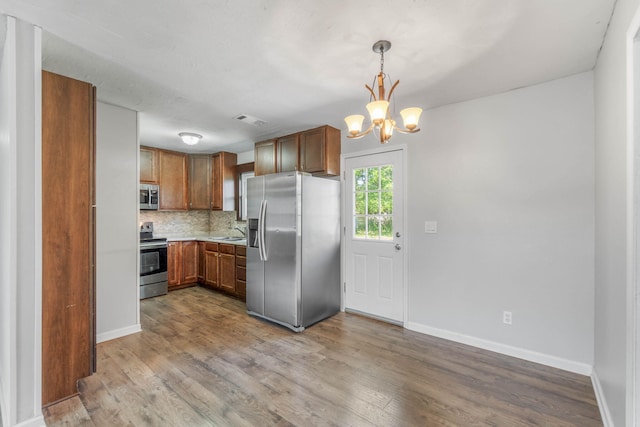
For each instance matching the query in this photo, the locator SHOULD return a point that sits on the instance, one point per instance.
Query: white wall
(245, 157)
(20, 225)
(117, 232)
(509, 178)
(612, 227)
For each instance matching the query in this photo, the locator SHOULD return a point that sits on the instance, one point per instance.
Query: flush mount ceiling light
(190, 138)
(378, 108)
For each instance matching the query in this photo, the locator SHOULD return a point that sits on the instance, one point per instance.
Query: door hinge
(345, 287)
(344, 175)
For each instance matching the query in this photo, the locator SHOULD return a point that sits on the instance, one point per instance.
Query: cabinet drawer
(227, 249)
(241, 261)
(241, 273)
(212, 247)
(241, 250)
(241, 289)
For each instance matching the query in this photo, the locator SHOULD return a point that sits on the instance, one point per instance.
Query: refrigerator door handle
(262, 231)
(259, 232)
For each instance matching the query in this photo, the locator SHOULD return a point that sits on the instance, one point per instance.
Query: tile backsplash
(192, 223)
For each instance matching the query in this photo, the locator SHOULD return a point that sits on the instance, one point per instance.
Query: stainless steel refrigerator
(293, 248)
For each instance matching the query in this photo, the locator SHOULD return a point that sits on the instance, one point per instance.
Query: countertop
(205, 238)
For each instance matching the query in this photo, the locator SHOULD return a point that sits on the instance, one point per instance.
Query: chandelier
(378, 108)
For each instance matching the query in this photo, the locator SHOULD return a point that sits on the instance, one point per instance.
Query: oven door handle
(145, 246)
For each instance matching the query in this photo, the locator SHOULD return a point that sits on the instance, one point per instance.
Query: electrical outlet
(507, 317)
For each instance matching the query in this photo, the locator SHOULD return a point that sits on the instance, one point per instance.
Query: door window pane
(373, 203)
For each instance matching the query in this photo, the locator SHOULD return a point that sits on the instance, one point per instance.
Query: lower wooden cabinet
(241, 272)
(201, 264)
(189, 262)
(219, 266)
(211, 265)
(182, 264)
(227, 271)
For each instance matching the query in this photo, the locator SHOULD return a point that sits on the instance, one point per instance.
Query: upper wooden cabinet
(223, 181)
(148, 165)
(320, 151)
(287, 148)
(316, 151)
(199, 181)
(173, 181)
(265, 157)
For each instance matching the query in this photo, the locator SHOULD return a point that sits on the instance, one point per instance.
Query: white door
(374, 235)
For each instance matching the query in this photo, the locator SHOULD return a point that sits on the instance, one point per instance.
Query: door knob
(398, 247)
(397, 234)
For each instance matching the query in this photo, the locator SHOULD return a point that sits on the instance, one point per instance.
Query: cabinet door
(223, 181)
(173, 181)
(189, 262)
(201, 266)
(265, 157)
(227, 268)
(287, 160)
(148, 165)
(174, 263)
(199, 181)
(312, 150)
(320, 151)
(211, 268)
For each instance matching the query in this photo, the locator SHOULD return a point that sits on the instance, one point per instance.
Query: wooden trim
(239, 170)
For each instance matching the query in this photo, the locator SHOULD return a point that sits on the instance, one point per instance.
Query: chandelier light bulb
(354, 123)
(410, 117)
(378, 111)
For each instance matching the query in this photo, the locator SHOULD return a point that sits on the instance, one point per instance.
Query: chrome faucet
(244, 233)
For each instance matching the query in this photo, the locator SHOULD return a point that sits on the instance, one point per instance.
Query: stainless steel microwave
(149, 196)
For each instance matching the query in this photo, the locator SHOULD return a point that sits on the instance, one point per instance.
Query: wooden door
(173, 181)
(68, 235)
(287, 160)
(174, 263)
(199, 181)
(265, 157)
(148, 165)
(189, 262)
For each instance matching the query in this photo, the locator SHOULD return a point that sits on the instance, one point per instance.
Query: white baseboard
(532, 356)
(33, 422)
(607, 421)
(117, 333)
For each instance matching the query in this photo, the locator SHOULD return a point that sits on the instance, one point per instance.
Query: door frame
(633, 220)
(343, 196)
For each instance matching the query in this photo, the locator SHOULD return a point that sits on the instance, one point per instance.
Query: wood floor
(201, 361)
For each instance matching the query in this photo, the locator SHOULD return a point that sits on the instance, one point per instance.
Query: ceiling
(194, 65)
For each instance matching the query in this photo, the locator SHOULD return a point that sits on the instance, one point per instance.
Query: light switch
(431, 227)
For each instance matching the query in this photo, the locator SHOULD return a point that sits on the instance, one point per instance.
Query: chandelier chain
(381, 61)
